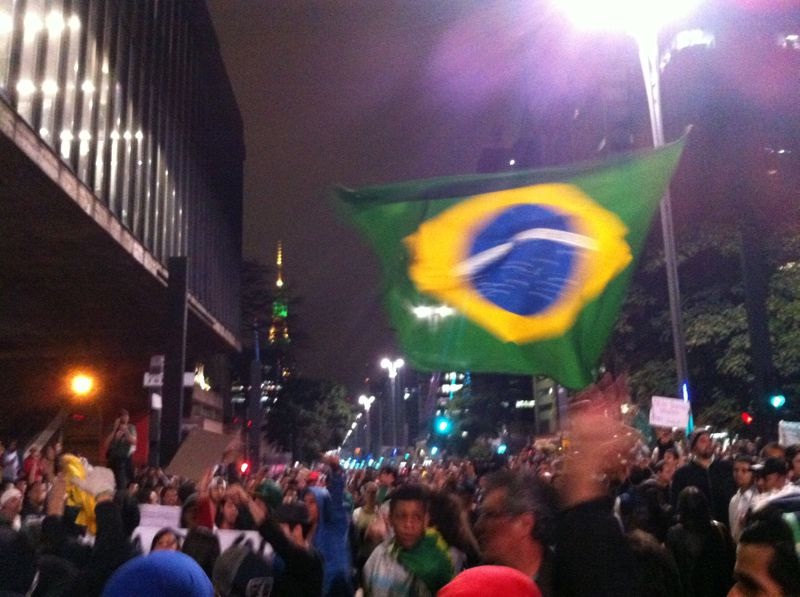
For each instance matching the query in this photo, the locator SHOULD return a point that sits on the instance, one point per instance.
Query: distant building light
(25, 87)
(55, 22)
(49, 87)
(449, 388)
(33, 24)
(693, 37)
(789, 41)
(6, 23)
(512, 162)
(525, 404)
(688, 39)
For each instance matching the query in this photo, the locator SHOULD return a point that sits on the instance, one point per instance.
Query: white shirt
(741, 502)
(765, 498)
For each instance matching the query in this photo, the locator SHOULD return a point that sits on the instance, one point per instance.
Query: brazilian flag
(519, 272)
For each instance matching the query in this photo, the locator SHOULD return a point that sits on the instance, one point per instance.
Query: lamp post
(366, 402)
(642, 19)
(392, 366)
(83, 390)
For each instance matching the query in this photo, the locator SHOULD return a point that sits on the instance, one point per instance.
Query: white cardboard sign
(669, 412)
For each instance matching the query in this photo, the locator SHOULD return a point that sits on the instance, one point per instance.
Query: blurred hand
(205, 480)
(599, 442)
(258, 510)
(57, 496)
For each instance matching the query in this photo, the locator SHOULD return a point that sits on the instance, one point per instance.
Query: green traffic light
(777, 400)
(443, 425)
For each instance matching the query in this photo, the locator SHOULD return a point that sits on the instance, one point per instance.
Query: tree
(715, 324)
(485, 409)
(309, 417)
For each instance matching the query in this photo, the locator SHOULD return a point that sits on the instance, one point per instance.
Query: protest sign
(669, 412)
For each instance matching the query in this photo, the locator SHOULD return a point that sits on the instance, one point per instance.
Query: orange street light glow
(81, 384)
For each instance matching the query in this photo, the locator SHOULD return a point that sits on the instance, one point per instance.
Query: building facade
(122, 149)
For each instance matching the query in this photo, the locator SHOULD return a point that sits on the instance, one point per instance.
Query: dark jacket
(298, 571)
(593, 557)
(705, 559)
(716, 482)
(112, 548)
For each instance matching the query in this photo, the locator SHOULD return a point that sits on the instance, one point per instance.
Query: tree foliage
(485, 408)
(715, 324)
(309, 417)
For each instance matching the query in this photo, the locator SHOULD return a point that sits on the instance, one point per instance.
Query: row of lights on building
(34, 23)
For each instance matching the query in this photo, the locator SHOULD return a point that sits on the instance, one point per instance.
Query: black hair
(527, 493)
(388, 469)
(202, 545)
(693, 509)
(161, 533)
(410, 492)
(791, 452)
(768, 528)
(449, 518)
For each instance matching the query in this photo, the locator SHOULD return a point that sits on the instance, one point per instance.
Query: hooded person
(330, 524)
(162, 573)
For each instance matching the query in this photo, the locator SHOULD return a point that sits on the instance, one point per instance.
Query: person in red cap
(490, 580)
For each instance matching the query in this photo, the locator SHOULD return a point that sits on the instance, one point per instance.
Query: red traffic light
(244, 467)
(747, 418)
(249, 423)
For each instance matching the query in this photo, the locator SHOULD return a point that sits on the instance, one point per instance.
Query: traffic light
(442, 425)
(777, 400)
(747, 418)
(244, 467)
(501, 449)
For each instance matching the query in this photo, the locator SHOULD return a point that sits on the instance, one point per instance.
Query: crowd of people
(601, 514)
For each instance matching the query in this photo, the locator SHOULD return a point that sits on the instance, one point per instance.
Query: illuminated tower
(279, 327)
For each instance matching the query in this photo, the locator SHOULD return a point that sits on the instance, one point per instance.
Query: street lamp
(366, 402)
(641, 19)
(392, 366)
(81, 385)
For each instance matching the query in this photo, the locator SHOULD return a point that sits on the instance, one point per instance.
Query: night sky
(359, 92)
(363, 92)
